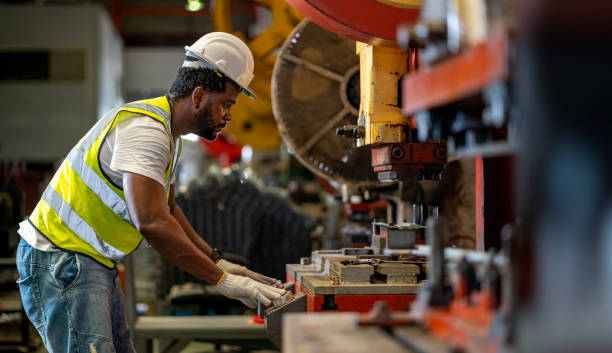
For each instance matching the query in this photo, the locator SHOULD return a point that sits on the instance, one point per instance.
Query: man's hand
(247, 290)
(243, 271)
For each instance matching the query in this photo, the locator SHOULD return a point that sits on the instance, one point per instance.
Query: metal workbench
(178, 331)
(170, 334)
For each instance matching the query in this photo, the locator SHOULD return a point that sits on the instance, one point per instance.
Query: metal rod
(312, 67)
(319, 134)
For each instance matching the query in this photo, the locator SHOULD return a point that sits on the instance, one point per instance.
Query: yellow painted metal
(252, 120)
(379, 112)
(473, 17)
(405, 4)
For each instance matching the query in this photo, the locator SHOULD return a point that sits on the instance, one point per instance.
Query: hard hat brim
(247, 92)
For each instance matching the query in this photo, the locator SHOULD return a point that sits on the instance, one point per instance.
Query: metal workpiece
(275, 303)
(397, 236)
(315, 90)
(357, 251)
(274, 316)
(324, 286)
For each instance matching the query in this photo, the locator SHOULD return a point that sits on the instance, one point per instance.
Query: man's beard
(205, 124)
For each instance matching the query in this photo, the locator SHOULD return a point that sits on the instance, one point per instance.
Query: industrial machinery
(315, 89)
(252, 120)
(395, 152)
(478, 79)
(416, 103)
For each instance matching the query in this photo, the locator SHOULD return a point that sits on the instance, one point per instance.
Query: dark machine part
(417, 213)
(274, 316)
(440, 293)
(313, 94)
(468, 283)
(352, 131)
(356, 236)
(493, 288)
(403, 160)
(563, 244)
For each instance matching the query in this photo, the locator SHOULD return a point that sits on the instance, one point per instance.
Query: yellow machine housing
(379, 112)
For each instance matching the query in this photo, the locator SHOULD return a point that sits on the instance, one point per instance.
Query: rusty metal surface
(313, 93)
(456, 77)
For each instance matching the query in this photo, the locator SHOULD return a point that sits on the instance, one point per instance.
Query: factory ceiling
(161, 22)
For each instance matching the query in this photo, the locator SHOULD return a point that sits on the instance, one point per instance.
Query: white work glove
(243, 271)
(247, 290)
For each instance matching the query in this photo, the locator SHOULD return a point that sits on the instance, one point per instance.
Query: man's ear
(199, 96)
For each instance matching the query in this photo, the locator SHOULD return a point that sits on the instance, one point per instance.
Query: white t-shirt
(139, 145)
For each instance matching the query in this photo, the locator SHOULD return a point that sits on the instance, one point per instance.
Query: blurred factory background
(426, 175)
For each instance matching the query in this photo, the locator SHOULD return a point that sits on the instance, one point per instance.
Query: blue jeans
(75, 303)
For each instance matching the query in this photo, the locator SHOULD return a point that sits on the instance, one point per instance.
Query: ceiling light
(194, 5)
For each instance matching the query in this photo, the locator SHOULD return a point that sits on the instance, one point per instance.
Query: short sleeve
(142, 146)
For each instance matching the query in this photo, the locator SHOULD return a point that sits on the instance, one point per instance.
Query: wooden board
(323, 286)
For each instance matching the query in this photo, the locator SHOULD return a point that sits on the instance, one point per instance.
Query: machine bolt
(351, 131)
(397, 152)
(440, 153)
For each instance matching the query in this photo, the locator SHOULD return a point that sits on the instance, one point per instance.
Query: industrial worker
(116, 188)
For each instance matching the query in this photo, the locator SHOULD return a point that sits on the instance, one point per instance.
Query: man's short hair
(189, 78)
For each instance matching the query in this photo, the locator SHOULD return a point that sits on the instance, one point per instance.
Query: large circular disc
(315, 89)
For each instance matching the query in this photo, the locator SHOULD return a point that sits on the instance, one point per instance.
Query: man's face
(215, 112)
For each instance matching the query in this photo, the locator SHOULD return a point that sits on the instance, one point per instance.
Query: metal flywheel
(315, 89)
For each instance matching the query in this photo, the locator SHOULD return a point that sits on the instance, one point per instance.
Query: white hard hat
(226, 54)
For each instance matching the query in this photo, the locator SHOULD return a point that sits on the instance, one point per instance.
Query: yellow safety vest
(81, 210)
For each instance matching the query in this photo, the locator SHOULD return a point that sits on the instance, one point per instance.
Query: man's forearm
(191, 233)
(151, 215)
(166, 235)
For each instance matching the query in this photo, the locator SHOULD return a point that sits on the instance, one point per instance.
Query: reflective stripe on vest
(81, 210)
